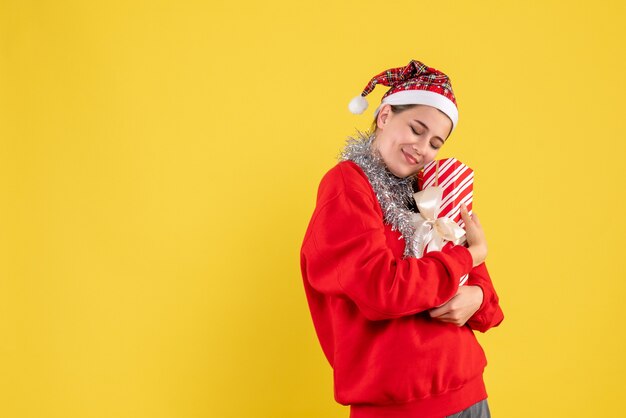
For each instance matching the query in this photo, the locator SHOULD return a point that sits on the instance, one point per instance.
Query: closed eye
(432, 145)
(416, 133)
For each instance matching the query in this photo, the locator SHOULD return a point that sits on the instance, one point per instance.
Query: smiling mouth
(409, 158)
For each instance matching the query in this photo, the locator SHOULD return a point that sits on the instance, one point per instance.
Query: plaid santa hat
(414, 84)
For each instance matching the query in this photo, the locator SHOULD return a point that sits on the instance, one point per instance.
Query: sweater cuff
(464, 257)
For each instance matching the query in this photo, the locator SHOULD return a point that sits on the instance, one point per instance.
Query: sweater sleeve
(345, 253)
(489, 314)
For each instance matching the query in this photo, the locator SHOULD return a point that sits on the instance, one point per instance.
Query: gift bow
(432, 233)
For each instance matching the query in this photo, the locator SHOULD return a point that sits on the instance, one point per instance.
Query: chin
(403, 173)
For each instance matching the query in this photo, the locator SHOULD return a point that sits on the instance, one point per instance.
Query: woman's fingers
(461, 307)
(476, 220)
(437, 312)
(469, 218)
(476, 243)
(465, 214)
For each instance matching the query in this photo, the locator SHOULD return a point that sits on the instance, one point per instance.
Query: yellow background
(158, 167)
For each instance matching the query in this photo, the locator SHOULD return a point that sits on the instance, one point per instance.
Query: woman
(397, 330)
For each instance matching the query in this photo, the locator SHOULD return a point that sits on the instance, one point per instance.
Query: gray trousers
(478, 410)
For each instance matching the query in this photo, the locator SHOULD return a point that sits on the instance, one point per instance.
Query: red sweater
(369, 308)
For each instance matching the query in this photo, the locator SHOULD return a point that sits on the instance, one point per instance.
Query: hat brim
(424, 97)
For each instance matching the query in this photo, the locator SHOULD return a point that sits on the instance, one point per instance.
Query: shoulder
(344, 177)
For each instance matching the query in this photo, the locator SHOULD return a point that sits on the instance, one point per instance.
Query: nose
(419, 148)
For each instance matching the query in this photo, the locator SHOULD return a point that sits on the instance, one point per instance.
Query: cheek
(431, 156)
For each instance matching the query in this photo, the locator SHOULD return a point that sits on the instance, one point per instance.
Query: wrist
(478, 254)
(479, 295)
(474, 255)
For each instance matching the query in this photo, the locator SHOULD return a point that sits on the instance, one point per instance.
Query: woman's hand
(476, 241)
(461, 307)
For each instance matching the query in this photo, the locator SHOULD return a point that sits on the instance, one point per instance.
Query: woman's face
(409, 140)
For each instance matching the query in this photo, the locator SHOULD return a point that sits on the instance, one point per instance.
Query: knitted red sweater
(369, 308)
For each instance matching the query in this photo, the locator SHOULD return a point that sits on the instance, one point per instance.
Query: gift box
(456, 181)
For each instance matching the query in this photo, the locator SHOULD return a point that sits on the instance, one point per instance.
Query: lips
(410, 159)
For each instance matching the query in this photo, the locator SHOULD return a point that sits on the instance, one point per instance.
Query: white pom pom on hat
(415, 83)
(358, 105)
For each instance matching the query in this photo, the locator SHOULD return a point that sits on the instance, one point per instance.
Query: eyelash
(431, 145)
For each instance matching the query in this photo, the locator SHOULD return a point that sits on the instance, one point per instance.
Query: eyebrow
(427, 128)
